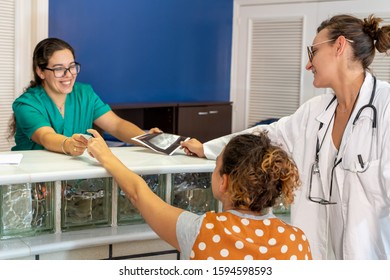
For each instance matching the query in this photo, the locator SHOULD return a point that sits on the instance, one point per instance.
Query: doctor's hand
(193, 147)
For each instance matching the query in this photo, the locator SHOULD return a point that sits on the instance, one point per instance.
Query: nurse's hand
(75, 145)
(154, 130)
(193, 147)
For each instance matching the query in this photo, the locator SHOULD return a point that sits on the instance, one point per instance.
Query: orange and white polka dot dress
(225, 236)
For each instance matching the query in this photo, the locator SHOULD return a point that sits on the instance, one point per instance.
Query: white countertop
(44, 166)
(39, 166)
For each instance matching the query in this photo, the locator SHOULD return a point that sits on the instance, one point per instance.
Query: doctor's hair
(43, 52)
(366, 35)
(260, 173)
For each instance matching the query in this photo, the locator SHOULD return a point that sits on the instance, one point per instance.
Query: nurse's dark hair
(260, 174)
(366, 35)
(42, 53)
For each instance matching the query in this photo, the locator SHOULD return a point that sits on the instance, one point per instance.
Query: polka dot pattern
(239, 244)
(216, 238)
(236, 229)
(259, 232)
(249, 240)
(272, 241)
(263, 249)
(245, 222)
(226, 236)
(209, 226)
(202, 246)
(224, 253)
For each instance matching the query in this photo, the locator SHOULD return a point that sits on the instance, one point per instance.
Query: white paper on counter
(10, 159)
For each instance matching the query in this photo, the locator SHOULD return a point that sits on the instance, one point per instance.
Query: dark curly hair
(259, 172)
(366, 35)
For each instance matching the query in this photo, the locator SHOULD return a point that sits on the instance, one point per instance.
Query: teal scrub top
(35, 109)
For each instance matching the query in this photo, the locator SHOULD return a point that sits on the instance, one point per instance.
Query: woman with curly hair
(250, 177)
(340, 142)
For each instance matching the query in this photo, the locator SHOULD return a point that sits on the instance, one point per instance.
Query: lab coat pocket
(369, 180)
(361, 146)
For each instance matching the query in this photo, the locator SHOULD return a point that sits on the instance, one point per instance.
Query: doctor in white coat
(340, 142)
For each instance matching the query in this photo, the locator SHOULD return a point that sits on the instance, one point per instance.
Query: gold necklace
(60, 107)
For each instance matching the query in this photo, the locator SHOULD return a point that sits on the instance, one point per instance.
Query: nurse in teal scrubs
(55, 110)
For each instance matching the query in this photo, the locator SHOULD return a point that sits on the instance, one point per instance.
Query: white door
(269, 54)
(268, 58)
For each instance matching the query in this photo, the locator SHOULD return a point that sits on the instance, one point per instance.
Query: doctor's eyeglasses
(315, 172)
(311, 52)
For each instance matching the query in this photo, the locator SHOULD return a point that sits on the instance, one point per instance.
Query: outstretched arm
(160, 216)
(121, 128)
(52, 141)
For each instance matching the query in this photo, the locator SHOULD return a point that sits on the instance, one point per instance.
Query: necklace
(60, 108)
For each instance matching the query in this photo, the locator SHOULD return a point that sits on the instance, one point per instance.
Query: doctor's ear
(341, 44)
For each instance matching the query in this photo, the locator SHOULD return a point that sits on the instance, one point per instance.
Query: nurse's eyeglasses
(60, 72)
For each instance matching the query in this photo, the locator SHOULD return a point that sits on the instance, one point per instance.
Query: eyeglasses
(315, 172)
(60, 72)
(311, 52)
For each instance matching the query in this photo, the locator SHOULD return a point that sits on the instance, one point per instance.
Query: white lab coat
(364, 198)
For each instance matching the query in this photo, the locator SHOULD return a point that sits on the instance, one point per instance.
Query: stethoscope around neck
(363, 165)
(374, 124)
(369, 105)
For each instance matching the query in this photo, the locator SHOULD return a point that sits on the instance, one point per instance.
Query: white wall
(29, 25)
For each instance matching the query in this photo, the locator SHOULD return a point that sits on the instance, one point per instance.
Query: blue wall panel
(135, 51)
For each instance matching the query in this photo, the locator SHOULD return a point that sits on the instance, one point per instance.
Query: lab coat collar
(326, 117)
(363, 99)
(325, 120)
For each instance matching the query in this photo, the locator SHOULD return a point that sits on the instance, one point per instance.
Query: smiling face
(58, 86)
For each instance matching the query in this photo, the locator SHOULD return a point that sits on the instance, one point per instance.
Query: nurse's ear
(40, 73)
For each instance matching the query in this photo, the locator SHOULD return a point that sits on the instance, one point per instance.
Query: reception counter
(49, 193)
